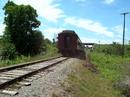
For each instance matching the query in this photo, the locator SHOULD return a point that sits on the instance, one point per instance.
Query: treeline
(21, 35)
(113, 49)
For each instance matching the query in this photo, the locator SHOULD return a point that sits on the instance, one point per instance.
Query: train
(69, 44)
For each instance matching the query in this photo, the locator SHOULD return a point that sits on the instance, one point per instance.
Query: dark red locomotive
(69, 43)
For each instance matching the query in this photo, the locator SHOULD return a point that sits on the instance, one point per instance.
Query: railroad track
(12, 74)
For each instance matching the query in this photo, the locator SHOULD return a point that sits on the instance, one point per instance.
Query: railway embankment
(116, 69)
(48, 83)
(85, 82)
(73, 79)
(124, 84)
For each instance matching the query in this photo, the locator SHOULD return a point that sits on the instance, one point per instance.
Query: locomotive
(69, 44)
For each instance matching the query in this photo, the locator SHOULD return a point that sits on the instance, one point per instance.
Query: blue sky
(92, 20)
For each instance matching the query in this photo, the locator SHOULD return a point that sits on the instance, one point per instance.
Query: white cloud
(118, 40)
(89, 25)
(118, 29)
(108, 1)
(53, 30)
(95, 40)
(2, 26)
(51, 33)
(89, 40)
(119, 36)
(80, 0)
(1, 18)
(47, 9)
(119, 33)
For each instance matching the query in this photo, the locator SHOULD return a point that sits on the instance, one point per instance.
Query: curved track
(14, 73)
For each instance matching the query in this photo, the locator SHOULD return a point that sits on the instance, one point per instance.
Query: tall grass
(23, 59)
(111, 67)
(84, 83)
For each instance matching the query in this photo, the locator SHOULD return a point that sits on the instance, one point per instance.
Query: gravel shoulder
(48, 83)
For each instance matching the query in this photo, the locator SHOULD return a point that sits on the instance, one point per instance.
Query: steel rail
(18, 75)
(2, 69)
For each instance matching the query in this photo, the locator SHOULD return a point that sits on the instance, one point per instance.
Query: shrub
(9, 51)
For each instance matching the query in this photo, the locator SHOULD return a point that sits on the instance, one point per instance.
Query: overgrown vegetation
(84, 83)
(112, 49)
(111, 67)
(50, 47)
(23, 59)
(20, 32)
(112, 70)
(22, 41)
(49, 50)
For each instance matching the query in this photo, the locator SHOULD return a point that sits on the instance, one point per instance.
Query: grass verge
(23, 59)
(111, 67)
(84, 83)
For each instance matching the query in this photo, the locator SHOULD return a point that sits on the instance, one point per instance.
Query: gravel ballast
(47, 83)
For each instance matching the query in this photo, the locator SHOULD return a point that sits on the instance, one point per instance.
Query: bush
(9, 51)
(111, 49)
(49, 47)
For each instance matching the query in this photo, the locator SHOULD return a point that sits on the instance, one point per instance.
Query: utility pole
(123, 50)
(99, 45)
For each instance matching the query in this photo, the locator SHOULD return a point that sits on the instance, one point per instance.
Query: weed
(23, 59)
(84, 83)
(111, 67)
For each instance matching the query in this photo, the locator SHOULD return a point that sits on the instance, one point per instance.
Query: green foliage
(112, 67)
(0, 45)
(16, 60)
(84, 83)
(34, 44)
(112, 49)
(50, 48)
(23, 59)
(127, 50)
(21, 38)
(21, 21)
(9, 51)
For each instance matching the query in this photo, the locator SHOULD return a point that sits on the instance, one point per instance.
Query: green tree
(50, 48)
(114, 48)
(21, 23)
